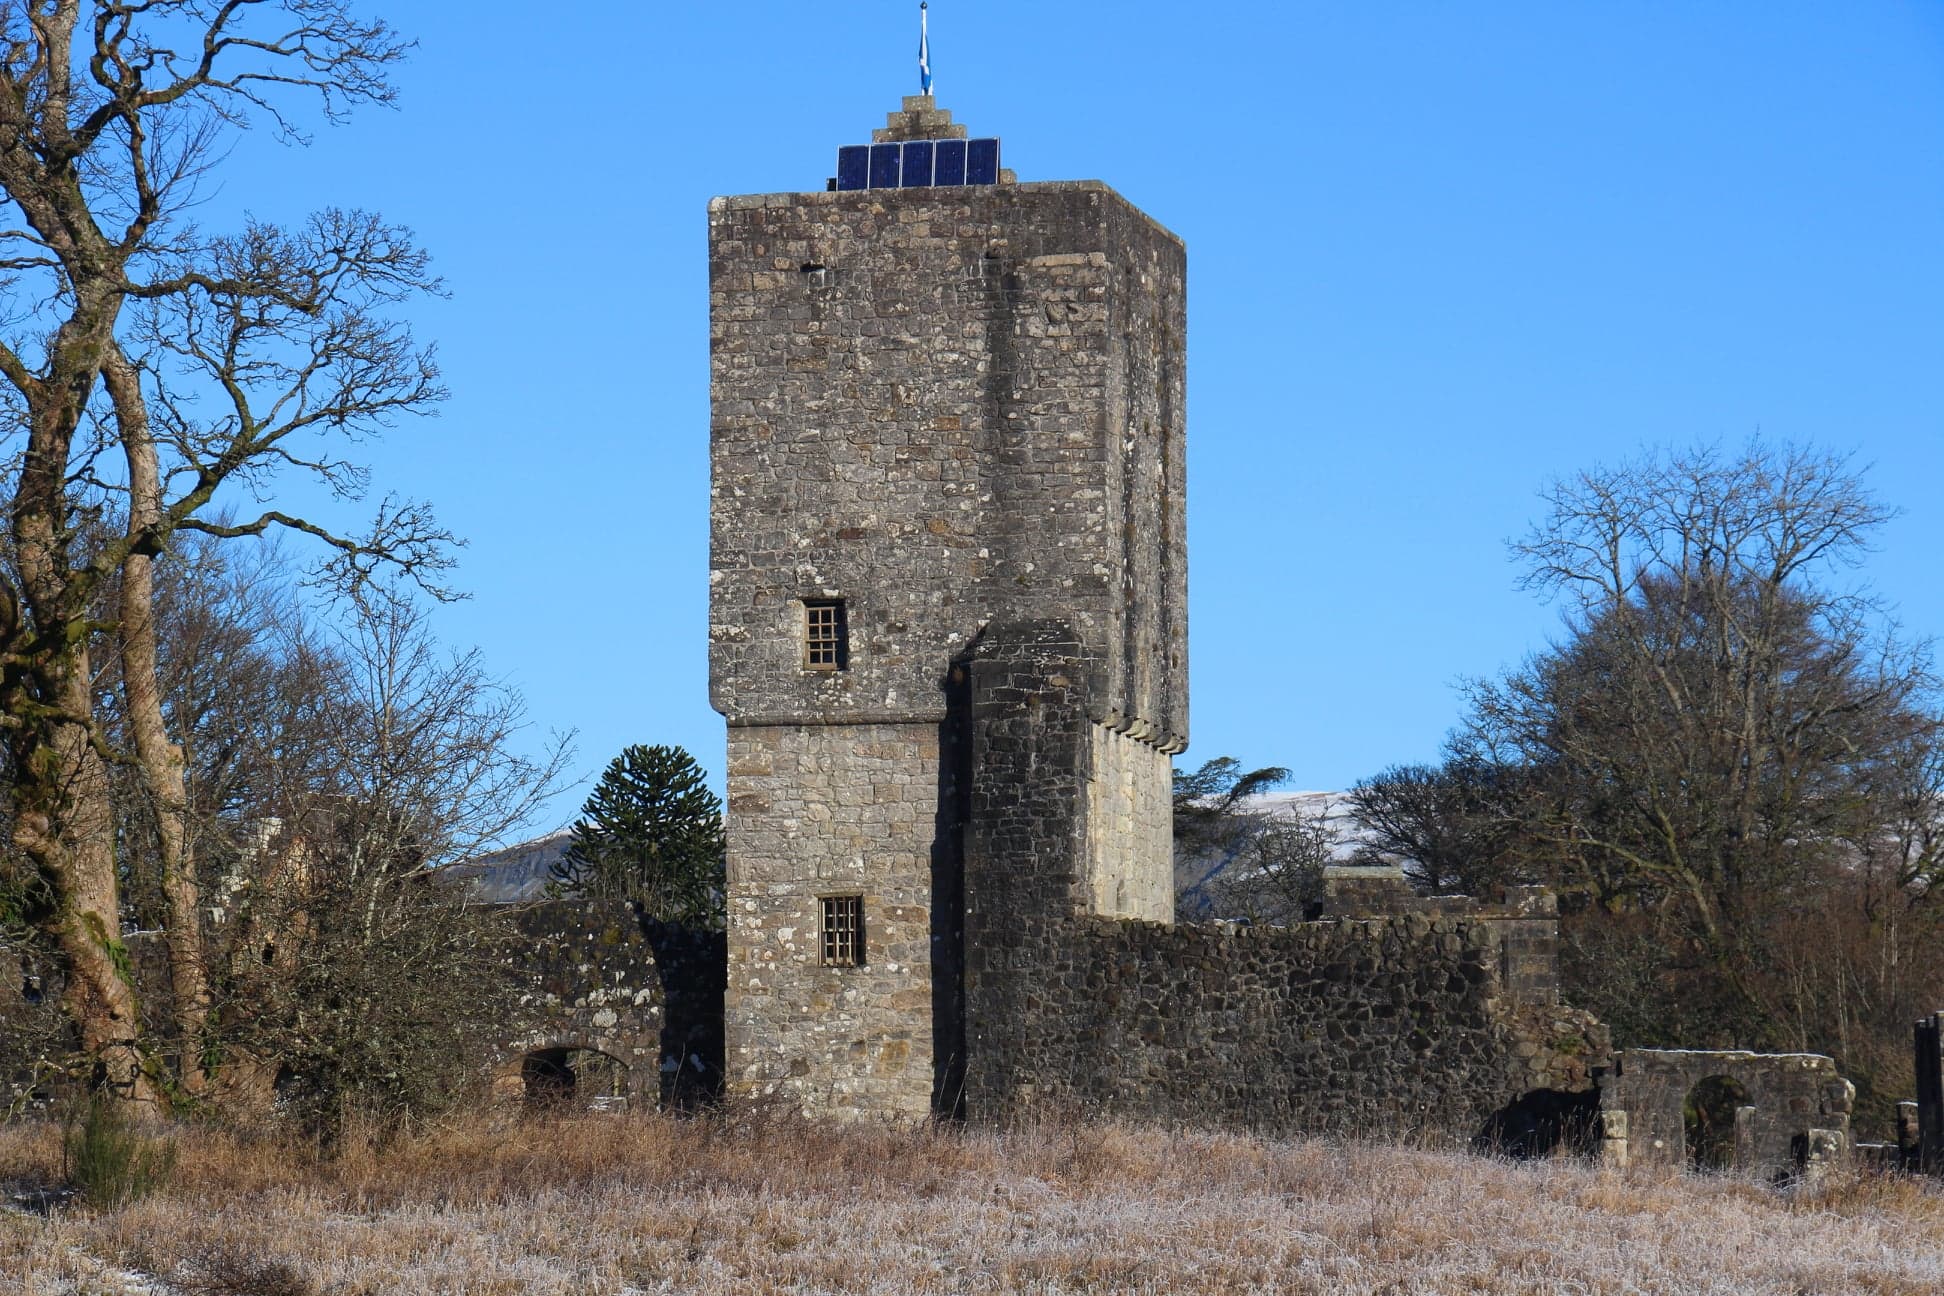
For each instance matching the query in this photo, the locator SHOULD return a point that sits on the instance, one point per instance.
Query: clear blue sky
(1438, 253)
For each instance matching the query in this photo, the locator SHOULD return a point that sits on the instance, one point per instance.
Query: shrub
(111, 1162)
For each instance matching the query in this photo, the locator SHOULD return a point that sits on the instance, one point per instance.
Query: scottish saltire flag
(924, 51)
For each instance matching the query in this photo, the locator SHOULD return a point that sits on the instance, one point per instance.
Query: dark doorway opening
(1710, 1115)
(1541, 1123)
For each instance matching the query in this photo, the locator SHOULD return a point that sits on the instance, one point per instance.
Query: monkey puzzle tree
(651, 832)
(147, 366)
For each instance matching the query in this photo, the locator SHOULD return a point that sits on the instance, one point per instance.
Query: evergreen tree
(651, 833)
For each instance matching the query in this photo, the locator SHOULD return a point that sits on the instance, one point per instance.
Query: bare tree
(1458, 827)
(1715, 717)
(1729, 762)
(349, 971)
(149, 367)
(1276, 873)
(1234, 858)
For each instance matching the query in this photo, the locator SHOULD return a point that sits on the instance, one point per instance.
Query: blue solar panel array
(918, 164)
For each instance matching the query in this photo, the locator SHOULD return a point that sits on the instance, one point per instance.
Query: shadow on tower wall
(693, 966)
(948, 889)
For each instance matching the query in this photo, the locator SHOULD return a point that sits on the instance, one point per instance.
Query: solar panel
(854, 167)
(918, 164)
(949, 161)
(982, 162)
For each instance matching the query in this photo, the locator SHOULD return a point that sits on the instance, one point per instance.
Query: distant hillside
(520, 872)
(1202, 869)
(517, 873)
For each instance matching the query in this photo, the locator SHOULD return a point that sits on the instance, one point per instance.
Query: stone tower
(948, 604)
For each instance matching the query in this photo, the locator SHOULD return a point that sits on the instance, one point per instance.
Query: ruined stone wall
(1791, 1096)
(1389, 1025)
(1523, 921)
(824, 810)
(1381, 1027)
(592, 983)
(1525, 926)
(1129, 827)
(596, 980)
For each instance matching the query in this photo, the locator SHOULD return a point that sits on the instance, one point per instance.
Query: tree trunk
(159, 760)
(65, 824)
(64, 815)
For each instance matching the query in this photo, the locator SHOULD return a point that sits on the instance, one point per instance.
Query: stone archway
(1710, 1114)
(574, 1078)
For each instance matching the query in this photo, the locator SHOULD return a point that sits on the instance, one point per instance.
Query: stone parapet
(1524, 921)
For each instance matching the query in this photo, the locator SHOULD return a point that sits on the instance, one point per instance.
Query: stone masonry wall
(594, 979)
(962, 412)
(1144, 687)
(1523, 920)
(1381, 1027)
(592, 984)
(827, 810)
(1526, 928)
(945, 406)
(1129, 827)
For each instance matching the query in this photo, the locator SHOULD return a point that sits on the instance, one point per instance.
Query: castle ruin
(948, 633)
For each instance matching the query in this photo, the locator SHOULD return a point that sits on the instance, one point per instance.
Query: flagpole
(924, 49)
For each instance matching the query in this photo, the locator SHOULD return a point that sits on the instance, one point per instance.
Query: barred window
(843, 931)
(826, 641)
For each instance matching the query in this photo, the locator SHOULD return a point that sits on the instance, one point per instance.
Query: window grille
(826, 643)
(843, 931)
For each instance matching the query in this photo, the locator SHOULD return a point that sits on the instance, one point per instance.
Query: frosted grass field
(653, 1205)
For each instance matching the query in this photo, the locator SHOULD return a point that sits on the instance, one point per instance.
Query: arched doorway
(1709, 1115)
(574, 1077)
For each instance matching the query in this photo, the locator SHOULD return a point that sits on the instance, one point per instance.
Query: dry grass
(621, 1205)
